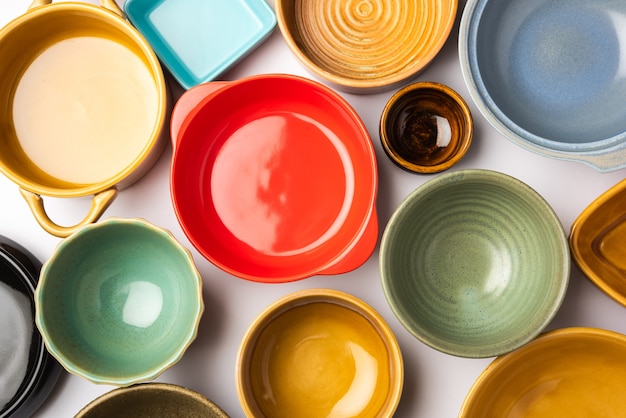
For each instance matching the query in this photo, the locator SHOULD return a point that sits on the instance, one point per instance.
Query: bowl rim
(442, 90)
(112, 395)
(361, 85)
(561, 242)
(594, 153)
(70, 365)
(303, 297)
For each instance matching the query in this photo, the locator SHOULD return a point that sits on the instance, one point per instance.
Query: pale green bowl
(119, 301)
(474, 263)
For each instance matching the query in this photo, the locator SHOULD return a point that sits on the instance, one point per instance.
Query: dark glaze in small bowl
(29, 373)
(426, 127)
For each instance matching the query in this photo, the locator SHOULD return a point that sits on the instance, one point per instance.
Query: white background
(435, 383)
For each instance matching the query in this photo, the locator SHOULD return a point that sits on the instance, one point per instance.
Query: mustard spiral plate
(366, 45)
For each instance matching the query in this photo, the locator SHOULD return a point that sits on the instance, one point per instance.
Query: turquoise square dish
(197, 40)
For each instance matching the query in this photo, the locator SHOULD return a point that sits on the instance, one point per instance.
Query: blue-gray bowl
(550, 76)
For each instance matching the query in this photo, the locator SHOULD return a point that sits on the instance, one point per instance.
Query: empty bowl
(90, 128)
(199, 40)
(550, 75)
(426, 127)
(474, 263)
(573, 372)
(149, 400)
(28, 373)
(597, 241)
(274, 178)
(119, 302)
(319, 352)
(365, 46)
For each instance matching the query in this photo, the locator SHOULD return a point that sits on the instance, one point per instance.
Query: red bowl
(274, 178)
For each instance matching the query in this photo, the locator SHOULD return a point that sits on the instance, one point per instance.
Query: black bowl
(27, 368)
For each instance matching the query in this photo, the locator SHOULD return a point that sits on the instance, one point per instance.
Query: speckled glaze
(365, 46)
(426, 127)
(474, 263)
(199, 40)
(119, 301)
(570, 372)
(550, 76)
(319, 352)
(149, 400)
(597, 240)
(28, 373)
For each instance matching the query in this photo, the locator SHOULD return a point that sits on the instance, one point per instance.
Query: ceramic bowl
(474, 263)
(27, 371)
(550, 75)
(567, 372)
(149, 400)
(319, 352)
(70, 131)
(243, 179)
(597, 241)
(119, 301)
(198, 41)
(426, 127)
(365, 46)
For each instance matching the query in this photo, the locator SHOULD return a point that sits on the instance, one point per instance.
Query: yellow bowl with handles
(83, 105)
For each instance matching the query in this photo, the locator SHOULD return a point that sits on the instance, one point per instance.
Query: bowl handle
(360, 252)
(111, 5)
(99, 204)
(189, 101)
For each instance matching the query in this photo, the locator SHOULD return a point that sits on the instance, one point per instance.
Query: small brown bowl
(426, 127)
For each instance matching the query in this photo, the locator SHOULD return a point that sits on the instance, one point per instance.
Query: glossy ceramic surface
(77, 130)
(365, 46)
(274, 179)
(27, 372)
(474, 263)
(550, 75)
(573, 372)
(119, 301)
(598, 239)
(316, 353)
(426, 127)
(199, 40)
(149, 400)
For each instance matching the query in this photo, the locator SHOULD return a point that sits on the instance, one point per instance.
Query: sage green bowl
(119, 301)
(474, 263)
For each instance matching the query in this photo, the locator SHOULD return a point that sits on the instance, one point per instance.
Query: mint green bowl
(119, 301)
(474, 263)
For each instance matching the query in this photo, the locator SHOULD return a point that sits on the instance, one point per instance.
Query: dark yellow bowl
(319, 352)
(597, 242)
(426, 127)
(570, 372)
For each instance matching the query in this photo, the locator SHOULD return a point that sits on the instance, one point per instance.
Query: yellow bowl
(319, 353)
(571, 372)
(597, 242)
(83, 104)
(365, 46)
